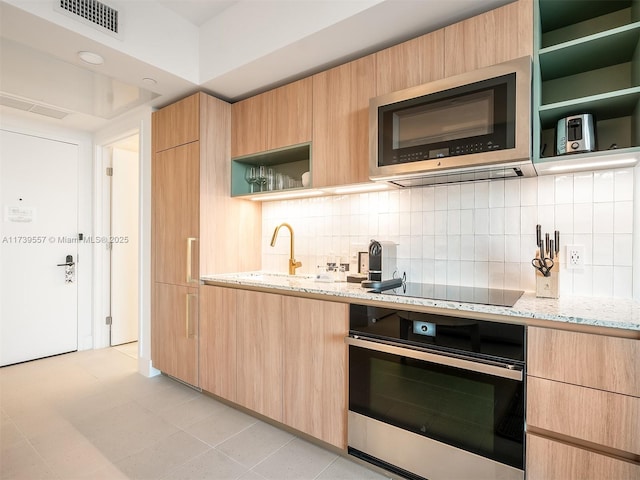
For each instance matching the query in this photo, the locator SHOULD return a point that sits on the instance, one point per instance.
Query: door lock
(69, 269)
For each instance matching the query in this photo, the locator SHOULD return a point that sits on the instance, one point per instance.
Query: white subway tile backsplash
(622, 249)
(622, 282)
(453, 197)
(546, 190)
(496, 194)
(477, 234)
(453, 222)
(602, 249)
(603, 217)
(481, 195)
(563, 189)
(603, 186)
(623, 217)
(467, 195)
(623, 185)
(511, 193)
(529, 191)
(583, 218)
(602, 281)
(583, 187)
(481, 221)
(496, 221)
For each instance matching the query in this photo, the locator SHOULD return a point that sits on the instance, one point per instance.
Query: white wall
(475, 234)
(85, 267)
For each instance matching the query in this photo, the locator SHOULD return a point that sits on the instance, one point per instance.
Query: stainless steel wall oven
(436, 397)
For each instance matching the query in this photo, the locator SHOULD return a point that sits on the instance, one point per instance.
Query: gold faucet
(292, 261)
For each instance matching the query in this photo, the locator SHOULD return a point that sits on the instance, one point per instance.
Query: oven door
(436, 416)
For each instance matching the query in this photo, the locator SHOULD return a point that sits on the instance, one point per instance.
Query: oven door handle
(513, 372)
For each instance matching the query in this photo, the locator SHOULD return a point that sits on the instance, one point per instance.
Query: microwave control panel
(416, 155)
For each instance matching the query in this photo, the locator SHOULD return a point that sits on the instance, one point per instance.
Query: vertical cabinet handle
(190, 241)
(187, 322)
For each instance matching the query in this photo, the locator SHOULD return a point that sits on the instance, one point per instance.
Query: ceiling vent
(9, 101)
(93, 12)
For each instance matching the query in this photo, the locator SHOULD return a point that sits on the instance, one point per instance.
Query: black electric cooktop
(454, 293)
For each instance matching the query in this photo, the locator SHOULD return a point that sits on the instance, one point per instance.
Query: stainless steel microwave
(472, 126)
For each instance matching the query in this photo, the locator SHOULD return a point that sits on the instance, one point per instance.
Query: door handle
(68, 262)
(188, 332)
(69, 268)
(190, 241)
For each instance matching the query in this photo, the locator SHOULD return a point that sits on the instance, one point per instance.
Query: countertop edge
(521, 312)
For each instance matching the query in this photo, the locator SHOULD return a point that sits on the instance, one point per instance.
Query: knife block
(548, 287)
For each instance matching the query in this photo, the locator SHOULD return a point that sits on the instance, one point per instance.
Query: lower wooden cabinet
(259, 353)
(315, 362)
(174, 344)
(280, 356)
(552, 460)
(583, 408)
(218, 341)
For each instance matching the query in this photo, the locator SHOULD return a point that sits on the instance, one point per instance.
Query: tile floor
(90, 415)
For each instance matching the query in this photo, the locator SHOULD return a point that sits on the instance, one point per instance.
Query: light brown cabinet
(280, 356)
(278, 118)
(218, 330)
(193, 220)
(315, 363)
(259, 352)
(493, 37)
(583, 406)
(341, 123)
(410, 63)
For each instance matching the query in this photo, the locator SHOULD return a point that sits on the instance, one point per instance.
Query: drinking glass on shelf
(262, 176)
(271, 179)
(251, 176)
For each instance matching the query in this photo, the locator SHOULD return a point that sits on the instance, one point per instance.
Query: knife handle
(556, 237)
(546, 243)
(538, 234)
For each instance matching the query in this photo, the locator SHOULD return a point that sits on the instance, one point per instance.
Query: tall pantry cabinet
(197, 228)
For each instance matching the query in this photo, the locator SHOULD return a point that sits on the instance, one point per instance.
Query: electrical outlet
(575, 257)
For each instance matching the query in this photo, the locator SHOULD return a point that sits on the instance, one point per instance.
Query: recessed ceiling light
(149, 81)
(91, 58)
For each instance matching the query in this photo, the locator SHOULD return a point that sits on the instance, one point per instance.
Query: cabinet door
(218, 340)
(176, 124)
(278, 118)
(596, 416)
(175, 216)
(174, 327)
(596, 361)
(492, 37)
(341, 123)
(410, 63)
(550, 460)
(259, 353)
(315, 366)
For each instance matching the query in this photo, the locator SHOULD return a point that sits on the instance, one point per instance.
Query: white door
(39, 201)
(124, 251)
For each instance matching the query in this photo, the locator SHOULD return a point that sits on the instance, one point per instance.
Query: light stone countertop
(571, 311)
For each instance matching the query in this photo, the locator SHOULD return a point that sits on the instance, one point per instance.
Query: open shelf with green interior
(587, 60)
(286, 167)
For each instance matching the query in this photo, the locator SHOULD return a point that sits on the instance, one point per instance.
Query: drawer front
(596, 361)
(550, 460)
(604, 418)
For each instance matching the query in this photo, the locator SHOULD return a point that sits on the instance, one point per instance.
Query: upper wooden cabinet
(176, 124)
(410, 63)
(176, 201)
(341, 123)
(278, 118)
(492, 37)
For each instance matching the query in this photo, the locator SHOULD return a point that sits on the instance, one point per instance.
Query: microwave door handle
(511, 372)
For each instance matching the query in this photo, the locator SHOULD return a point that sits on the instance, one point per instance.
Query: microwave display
(473, 118)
